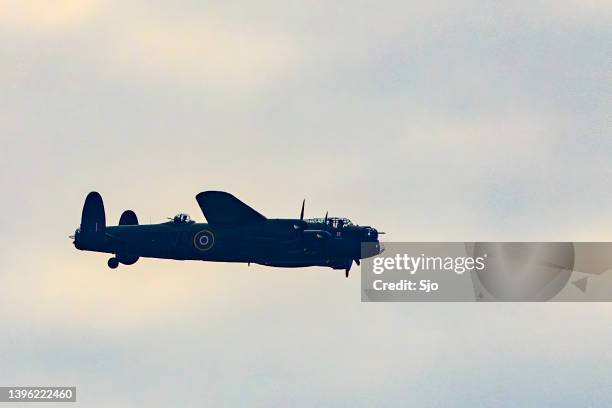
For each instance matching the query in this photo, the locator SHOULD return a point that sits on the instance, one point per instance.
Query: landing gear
(113, 263)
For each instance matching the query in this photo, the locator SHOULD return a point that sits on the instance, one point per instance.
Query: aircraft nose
(369, 245)
(370, 249)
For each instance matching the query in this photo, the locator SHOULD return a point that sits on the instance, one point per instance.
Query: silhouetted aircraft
(235, 233)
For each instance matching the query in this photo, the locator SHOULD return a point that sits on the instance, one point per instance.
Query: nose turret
(370, 234)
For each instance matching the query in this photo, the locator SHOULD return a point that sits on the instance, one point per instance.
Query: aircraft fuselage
(275, 243)
(235, 233)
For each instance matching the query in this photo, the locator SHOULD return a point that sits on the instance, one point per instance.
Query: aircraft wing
(221, 208)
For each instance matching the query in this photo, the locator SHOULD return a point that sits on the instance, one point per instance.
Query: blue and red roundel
(204, 240)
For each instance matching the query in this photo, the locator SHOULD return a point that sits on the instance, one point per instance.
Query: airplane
(235, 232)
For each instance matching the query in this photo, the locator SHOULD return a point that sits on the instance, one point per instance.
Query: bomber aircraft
(235, 232)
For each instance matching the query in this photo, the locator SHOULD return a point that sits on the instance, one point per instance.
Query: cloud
(128, 43)
(208, 53)
(46, 15)
(431, 121)
(68, 292)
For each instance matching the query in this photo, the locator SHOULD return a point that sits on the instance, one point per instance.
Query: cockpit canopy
(182, 218)
(333, 222)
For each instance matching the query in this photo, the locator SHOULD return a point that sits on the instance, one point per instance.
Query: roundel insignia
(204, 240)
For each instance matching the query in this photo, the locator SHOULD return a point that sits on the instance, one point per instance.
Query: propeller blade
(326, 212)
(347, 269)
(71, 236)
(302, 225)
(381, 233)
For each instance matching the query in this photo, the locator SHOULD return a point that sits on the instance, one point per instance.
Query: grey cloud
(439, 121)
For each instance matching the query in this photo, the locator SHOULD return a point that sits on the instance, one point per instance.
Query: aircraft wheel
(113, 263)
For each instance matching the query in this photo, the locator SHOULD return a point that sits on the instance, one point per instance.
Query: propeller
(301, 225)
(348, 268)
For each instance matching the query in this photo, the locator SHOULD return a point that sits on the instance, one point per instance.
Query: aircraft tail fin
(128, 218)
(93, 219)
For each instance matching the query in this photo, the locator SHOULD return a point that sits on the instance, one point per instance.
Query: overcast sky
(437, 120)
